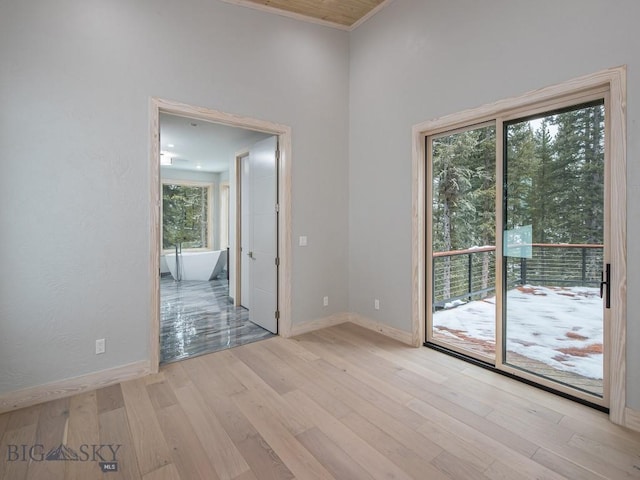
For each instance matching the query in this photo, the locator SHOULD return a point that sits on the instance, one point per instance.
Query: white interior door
(263, 234)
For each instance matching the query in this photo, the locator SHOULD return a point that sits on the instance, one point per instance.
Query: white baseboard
(632, 419)
(306, 327)
(386, 330)
(338, 318)
(72, 386)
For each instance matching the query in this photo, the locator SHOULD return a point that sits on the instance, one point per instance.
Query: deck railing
(469, 274)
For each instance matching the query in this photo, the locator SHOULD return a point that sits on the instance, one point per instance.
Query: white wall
(75, 84)
(420, 60)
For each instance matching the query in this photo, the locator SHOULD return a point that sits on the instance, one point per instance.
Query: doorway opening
(520, 216)
(196, 306)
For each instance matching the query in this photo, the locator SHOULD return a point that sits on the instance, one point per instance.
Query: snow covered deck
(556, 332)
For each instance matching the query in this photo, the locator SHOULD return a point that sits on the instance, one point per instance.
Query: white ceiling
(202, 146)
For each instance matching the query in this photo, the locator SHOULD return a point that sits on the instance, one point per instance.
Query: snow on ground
(559, 326)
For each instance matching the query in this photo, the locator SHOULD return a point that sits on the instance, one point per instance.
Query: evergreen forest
(184, 216)
(553, 182)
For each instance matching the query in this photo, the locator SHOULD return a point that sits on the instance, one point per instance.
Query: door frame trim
(160, 105)
(239, 157)
(614, 79)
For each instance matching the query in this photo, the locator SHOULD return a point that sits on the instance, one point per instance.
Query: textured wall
(75, 84)
(418, 60)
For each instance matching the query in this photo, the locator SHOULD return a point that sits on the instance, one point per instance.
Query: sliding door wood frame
(612, 81)
(157, 106)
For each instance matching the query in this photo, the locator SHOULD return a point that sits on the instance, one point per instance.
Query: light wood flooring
(342, 403)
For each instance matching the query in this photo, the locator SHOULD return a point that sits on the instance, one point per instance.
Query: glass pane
(184, 216)
(463, 239)
(553, 246)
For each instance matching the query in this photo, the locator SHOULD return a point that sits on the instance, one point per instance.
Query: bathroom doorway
(195, 305)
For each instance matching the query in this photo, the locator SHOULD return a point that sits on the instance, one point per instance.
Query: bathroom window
(187, 218)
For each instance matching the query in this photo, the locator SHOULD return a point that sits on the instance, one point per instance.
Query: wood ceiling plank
(342, 12)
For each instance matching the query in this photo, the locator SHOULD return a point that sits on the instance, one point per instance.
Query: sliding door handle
(605, 278)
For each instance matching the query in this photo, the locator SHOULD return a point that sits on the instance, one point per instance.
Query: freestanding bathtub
(202, 266)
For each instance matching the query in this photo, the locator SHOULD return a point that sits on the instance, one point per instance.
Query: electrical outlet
(100, 346)
(325, 301)
(376, 304)
(302, 241)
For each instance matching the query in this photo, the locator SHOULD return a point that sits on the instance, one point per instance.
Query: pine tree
(184, 216)
(520, 168)
(451, 181)
(553, 182)
(544, 188)
(579, 172)
(464, 198)
(483, 197)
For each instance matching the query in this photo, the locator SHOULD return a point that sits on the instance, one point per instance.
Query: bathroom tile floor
(199, 317)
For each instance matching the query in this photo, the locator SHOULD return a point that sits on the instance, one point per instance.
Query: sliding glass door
(553, 246)
(463, 233)
(516, 241)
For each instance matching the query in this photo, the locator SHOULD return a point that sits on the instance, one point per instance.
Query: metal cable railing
(469, 274)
